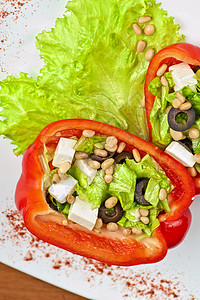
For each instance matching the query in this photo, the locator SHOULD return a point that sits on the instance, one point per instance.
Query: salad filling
(175, 116)
(95, 182)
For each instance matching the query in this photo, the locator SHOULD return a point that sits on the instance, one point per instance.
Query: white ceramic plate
(176, 277)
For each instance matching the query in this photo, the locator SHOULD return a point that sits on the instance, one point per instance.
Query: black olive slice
(114, 216)
(187, 144)
(196, 68)
(181, 127)
(50, 203)
(120, 158)
(101, 159)
(140, 190)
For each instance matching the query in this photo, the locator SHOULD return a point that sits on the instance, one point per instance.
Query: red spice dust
(28, 256)
(143, 284)
(12, 11)
(11, 8)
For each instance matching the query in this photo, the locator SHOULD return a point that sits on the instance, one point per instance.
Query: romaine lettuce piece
(123, 185)
(96, 192)
(88, 144)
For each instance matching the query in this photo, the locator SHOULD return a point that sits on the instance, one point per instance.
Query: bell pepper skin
(173, 54)
(174, 232)
(108, 248)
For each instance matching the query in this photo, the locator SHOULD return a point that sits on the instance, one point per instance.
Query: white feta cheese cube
(80, 212)
(64, 152)
(136, 214)
(63, 188)
(180, 153)
(82, 164)
(183, 75)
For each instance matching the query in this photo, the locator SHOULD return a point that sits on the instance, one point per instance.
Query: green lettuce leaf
(88, 144)
(96, 192)
(91, 70)
(158, 117)
(79, 175)
(155, 86)
(63, 208)
(149, 168)
(123, 185)
(152, 191)
(128, 220)
(161, 136)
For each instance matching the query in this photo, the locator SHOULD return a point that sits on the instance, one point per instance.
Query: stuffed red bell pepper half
(172, 100)
(100, 192)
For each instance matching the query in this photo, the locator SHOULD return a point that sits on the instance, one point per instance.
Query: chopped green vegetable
(129, 220)
(152, 191)
(79, 175)
(89, 144)
(96, 192)
(62, 208)
(123, 185)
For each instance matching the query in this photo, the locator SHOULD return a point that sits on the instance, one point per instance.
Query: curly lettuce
(91, 70)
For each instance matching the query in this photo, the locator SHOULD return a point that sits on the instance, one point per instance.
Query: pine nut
(81, 155)
(97, 230)
(164, 81)
(98, 224)
(88, 133)
(100, 152)
(180, 97)
(64, 167)
(141, 46)
(58, 133)
(144, 220)
(65, 222)
(197, 157)
(108, 178)
(162, 194)
(111, 141)
(109, 171)
(94, 164)
(136, 155)
(121, 147)
(137, 29)
(149, 29)
(161, 70)
(177, 135)
(192, 171)
(185, 106)
(107, 163)
(143, 102)
(136, 231)
(112, 226)
(176, 103)
(144, 19)
(144, 212)
(62, 175)
(193, 133)
(110, 149)
(168, 109)
(70, 199)
(149, 54)
(126, 231)
(55, 178)
(111, 202)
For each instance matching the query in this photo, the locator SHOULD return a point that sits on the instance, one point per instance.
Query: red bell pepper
(170, 55)
(175, 231)
(46, 224)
